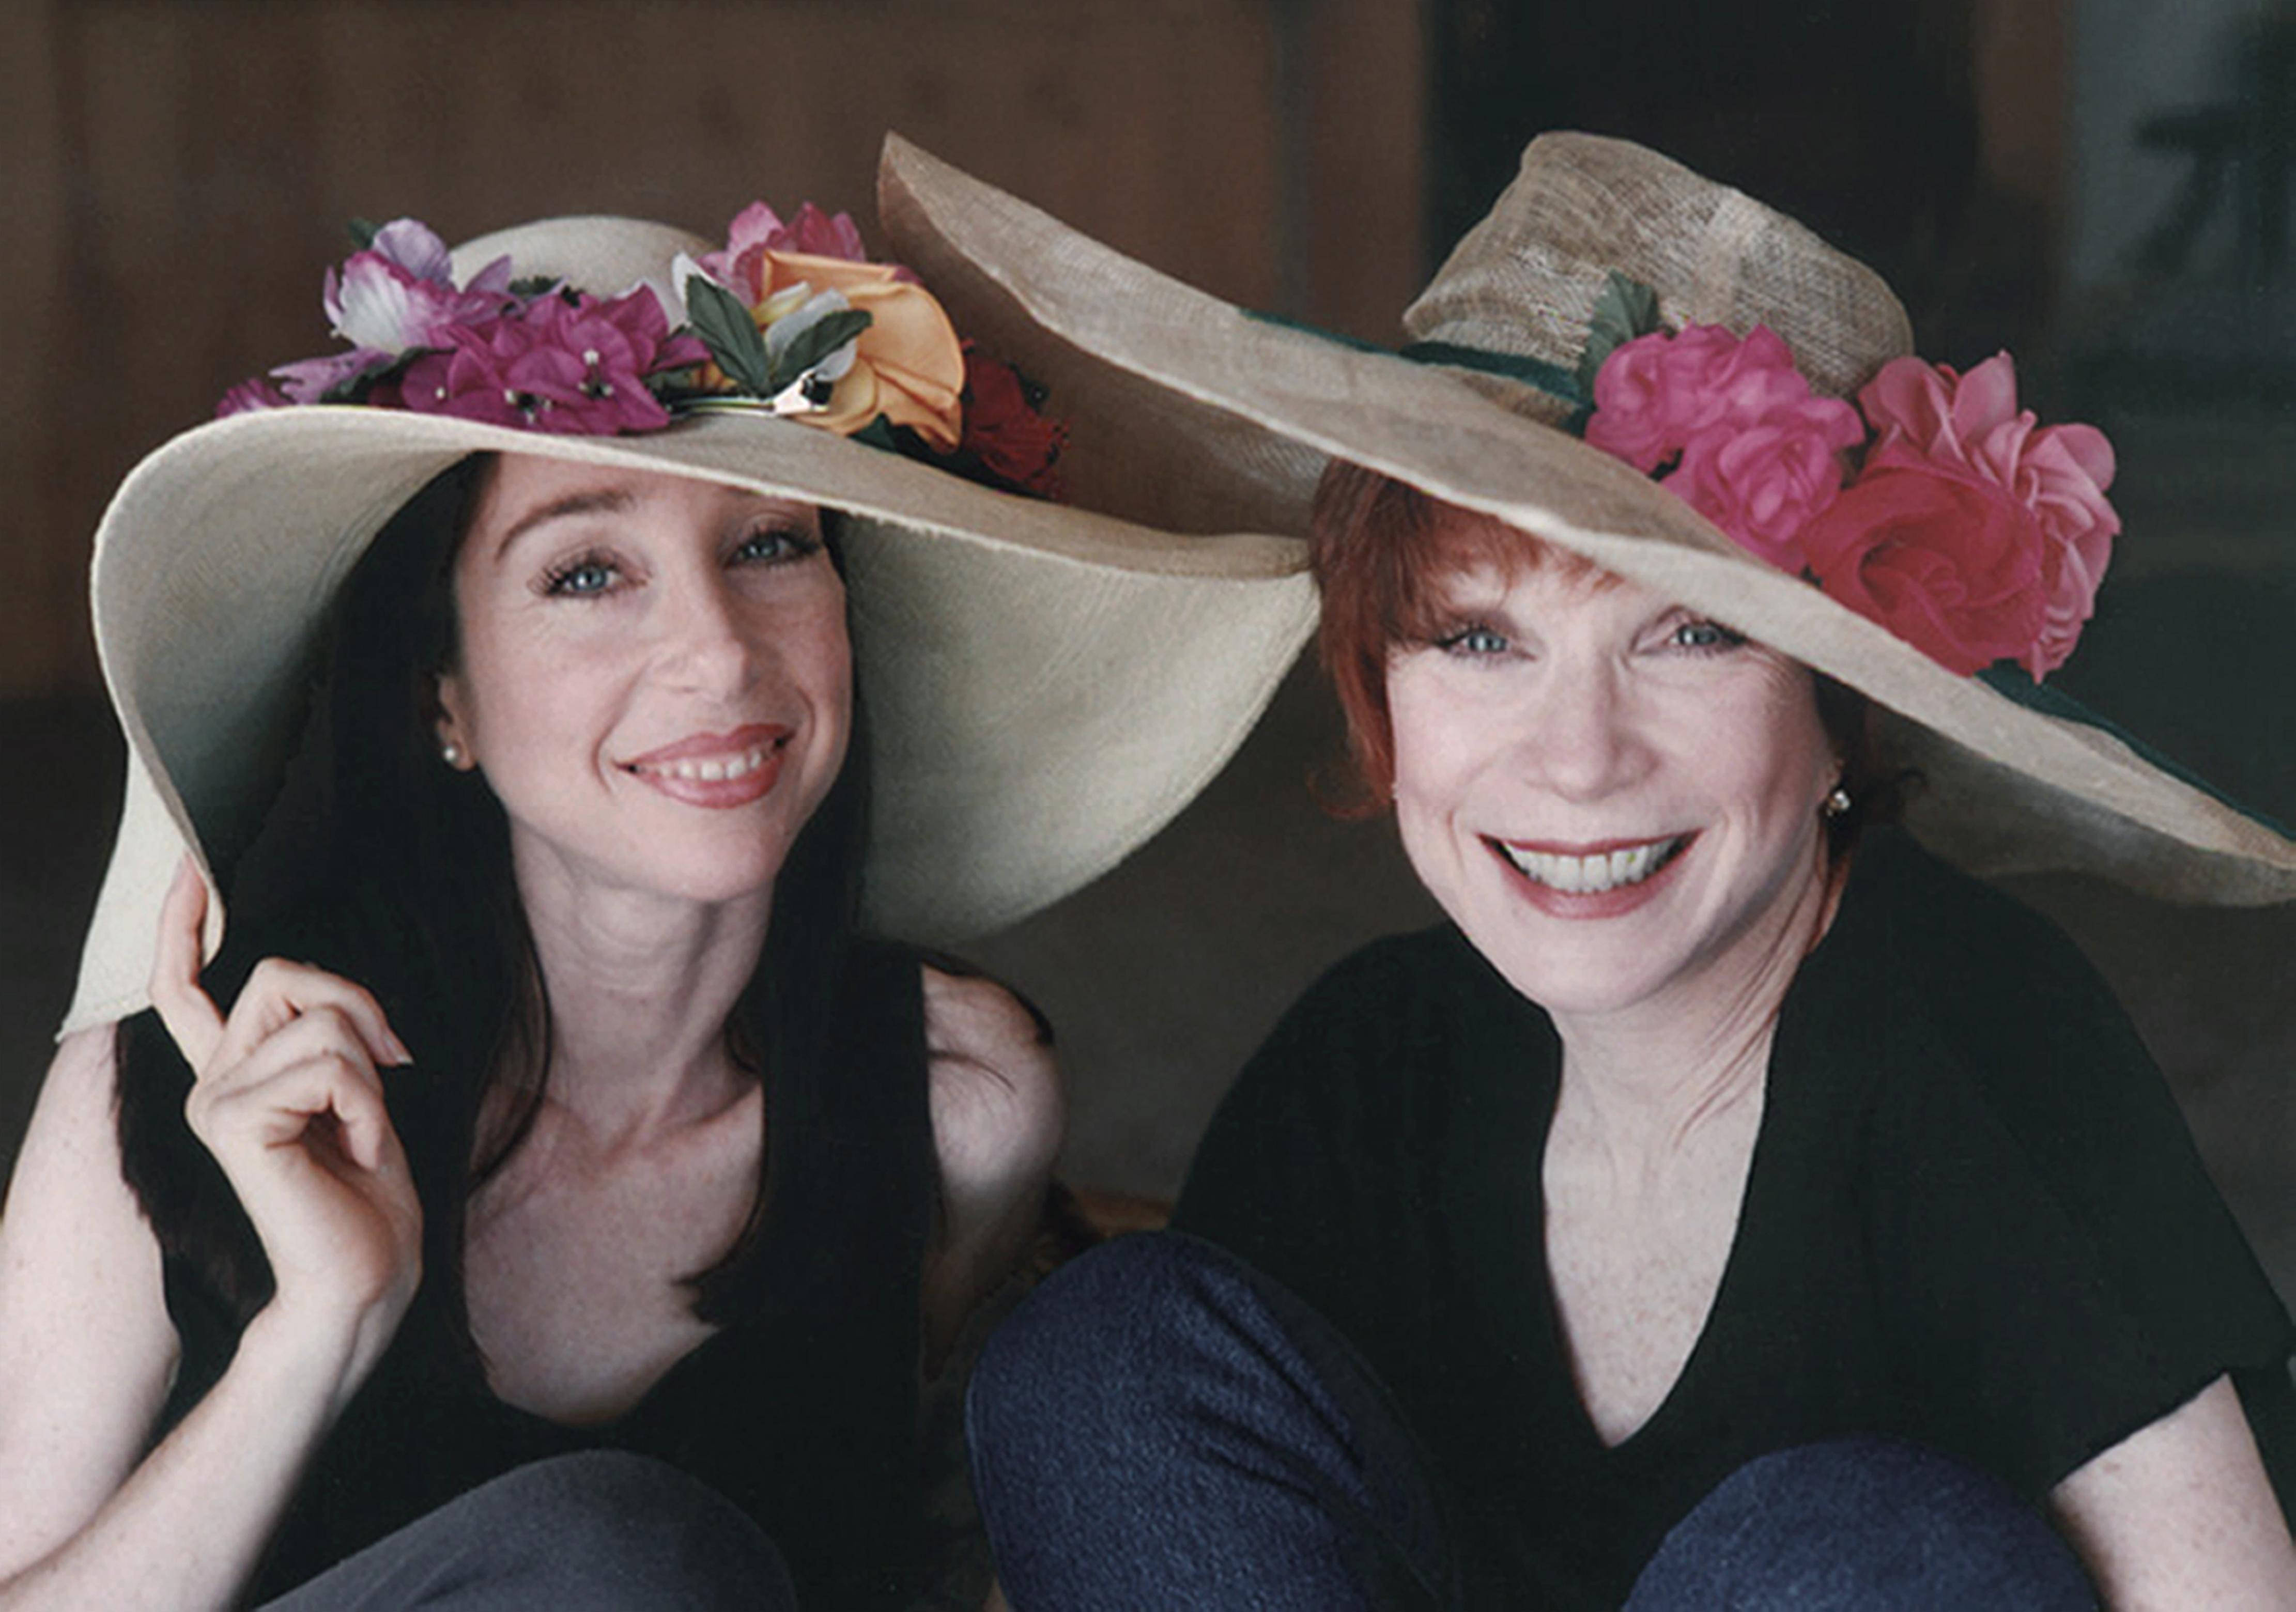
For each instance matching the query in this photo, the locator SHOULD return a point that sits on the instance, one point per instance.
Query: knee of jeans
(1865, 1522)
(1858, 1479)
(1101, 1329)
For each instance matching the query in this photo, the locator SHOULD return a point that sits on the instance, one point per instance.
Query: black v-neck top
(1974, 1219)
(802, 1409)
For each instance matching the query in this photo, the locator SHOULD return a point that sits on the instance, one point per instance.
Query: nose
(1580, 738)
(704, 641)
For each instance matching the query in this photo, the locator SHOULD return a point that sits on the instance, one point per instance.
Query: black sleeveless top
(803, 1410)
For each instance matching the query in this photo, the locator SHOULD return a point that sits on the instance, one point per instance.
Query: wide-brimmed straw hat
(2016, 778)
(1046, 686)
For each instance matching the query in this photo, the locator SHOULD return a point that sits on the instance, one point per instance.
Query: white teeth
(1593, 875)
(717, 769)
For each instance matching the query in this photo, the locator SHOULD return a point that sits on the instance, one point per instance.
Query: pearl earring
(451, 754)
(1836, 803)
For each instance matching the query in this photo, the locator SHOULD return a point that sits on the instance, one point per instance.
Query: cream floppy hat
(2015, 781)
(1046, 686)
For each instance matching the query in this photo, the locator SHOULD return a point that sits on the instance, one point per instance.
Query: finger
(189, 1014)
(316, 1066)
(279, 991)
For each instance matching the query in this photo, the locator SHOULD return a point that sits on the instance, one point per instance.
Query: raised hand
(289, 1099)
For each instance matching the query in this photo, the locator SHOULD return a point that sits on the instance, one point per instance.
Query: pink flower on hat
(1929, 419)
(1945, 562)
(1968, 531)
(567, 362)
(401, 292)
(757, 229)
(789, 319)
(1731, 426)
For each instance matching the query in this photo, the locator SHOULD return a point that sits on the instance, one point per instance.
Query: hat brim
(2007, 789)
(1047, 687)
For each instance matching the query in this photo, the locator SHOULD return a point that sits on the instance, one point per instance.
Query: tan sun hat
(1046, 686)
(2016, 778)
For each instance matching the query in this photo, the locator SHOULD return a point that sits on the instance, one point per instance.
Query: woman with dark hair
(1731, 1204)
(556, 1190)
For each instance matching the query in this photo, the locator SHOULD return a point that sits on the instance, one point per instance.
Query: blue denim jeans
(600, 1532)
(1159, 1426)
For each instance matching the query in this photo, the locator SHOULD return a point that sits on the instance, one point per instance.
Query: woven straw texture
(1047, 687)
(1249, 411)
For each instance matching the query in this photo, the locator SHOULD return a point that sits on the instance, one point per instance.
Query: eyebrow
(603, 501)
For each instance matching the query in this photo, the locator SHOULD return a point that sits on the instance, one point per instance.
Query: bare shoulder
(997, 1105)
(998, 1115)
(86, 1348)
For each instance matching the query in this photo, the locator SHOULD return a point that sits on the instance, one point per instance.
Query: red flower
(1004, 431)
(1949, 564)
(1970, 426)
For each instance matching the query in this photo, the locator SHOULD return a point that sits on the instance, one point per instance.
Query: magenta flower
(255, 393)
(401, 292)
(310, 380)
(758, 230)
(568, 364)
(820, 234)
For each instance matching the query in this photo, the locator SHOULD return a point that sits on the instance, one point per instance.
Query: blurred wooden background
(180, 175)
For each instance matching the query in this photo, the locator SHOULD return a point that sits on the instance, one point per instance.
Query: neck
(640, 989)
(1645, 1076)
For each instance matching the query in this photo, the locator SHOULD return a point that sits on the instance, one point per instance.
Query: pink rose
(1944, 561)
(1655, 393)
(1970, 426)
(1763, 483)
(757, 229)
(1731, 426)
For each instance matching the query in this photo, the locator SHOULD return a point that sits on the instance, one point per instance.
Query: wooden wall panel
(186, 172)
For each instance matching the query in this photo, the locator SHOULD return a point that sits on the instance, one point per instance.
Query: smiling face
(653, 674)
(1616, 800)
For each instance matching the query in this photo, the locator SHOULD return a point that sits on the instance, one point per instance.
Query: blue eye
(775, 545)
(1704, 635)
(1472, 642)
(582, 578)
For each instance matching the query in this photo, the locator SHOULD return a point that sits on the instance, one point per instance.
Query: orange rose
(907, 366)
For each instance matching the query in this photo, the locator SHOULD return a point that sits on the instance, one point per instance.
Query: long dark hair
(380, 864)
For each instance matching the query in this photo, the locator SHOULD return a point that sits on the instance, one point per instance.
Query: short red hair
(1380, 550)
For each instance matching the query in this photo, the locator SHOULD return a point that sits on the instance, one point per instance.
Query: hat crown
(593, 252)
(1524, 282)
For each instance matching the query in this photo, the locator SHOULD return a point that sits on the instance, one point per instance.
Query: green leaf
(528, 288)
(363, 233)
(730, 333)
(1624, 309)
(816, 342)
